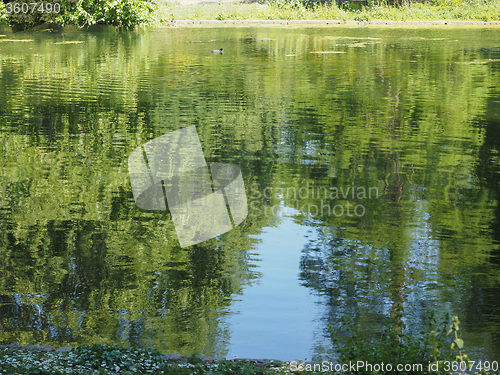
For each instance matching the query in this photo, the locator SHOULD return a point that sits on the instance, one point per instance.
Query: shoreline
(174, 358)
(257, 22)
(115, 359)
(337, 22)
(450, 23)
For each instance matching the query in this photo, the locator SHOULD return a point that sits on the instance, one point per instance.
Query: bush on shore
(122, 13)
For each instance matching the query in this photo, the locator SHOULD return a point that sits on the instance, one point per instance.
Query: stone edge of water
(332, 22)
(171, 357)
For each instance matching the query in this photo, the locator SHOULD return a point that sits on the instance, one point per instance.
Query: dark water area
(371, 164)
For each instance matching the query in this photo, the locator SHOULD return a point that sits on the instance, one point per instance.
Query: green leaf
(459, 343)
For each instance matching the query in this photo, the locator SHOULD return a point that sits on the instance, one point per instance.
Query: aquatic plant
(426, 353)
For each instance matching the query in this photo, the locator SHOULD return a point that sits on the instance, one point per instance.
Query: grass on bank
(468, 10)
(129, 13)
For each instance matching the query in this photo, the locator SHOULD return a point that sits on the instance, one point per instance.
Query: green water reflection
(411, 117)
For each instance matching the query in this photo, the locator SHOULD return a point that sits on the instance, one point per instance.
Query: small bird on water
(217, 51)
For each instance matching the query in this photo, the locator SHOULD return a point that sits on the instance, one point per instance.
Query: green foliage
(221, 16)
(395, 342)
(104, 359)
(287, 3)
(122, 13)
(361, 15)
(129, 13)
(392, 343)
(449, 3)
(487, 10)
(118, 358)
(4, 19)
(458, 343)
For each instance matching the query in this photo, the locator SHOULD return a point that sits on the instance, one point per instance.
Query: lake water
(371, 164)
